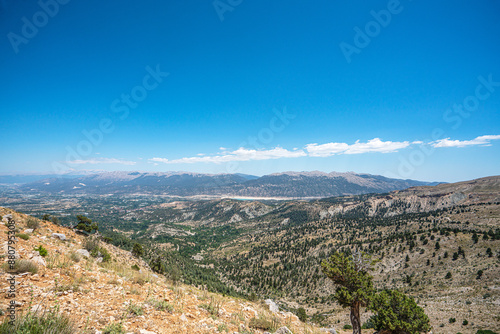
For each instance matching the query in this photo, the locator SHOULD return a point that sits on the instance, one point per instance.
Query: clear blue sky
(197, 86)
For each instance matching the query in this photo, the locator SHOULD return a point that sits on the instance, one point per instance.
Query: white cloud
(94, 161)
(241, 154)
(373, 145)
(481, 140)
(320, 150)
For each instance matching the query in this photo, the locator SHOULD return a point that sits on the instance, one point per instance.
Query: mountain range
(281, 185)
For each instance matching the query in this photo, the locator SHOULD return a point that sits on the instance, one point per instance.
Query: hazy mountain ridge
(287, 185)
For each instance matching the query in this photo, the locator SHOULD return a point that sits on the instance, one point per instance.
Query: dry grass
(21, 266)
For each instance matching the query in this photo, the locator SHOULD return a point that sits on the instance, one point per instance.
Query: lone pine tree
(354, 284)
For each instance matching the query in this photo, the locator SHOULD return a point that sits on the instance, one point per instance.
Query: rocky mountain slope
(97, 293)
(284, 185)
(245, 213)
(447, 257)
(416, 237)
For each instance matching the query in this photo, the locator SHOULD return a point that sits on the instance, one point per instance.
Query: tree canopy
(354, 285)
(398, 313)
(85, 224)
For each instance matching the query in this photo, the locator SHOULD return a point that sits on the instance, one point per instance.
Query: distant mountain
(285, 185)
(28, 178)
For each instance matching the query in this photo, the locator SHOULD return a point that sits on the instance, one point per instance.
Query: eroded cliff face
(422, 199)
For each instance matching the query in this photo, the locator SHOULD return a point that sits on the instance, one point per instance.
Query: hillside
(439, 244)
(95, 294)
(274, 249)
(282, 185)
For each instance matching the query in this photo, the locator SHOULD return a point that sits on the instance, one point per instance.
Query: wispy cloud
(241, 154)
(94, 161)
(373, 145)
(481, 140)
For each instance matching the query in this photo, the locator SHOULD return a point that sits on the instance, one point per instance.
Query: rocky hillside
(247, 213)
(420, 199)
(448, 260)
(99, 292)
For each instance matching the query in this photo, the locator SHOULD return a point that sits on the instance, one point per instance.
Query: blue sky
(407, 89)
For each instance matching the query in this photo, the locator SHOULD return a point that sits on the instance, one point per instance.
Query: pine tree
(354, 284)
(85, 224)
(396, 312)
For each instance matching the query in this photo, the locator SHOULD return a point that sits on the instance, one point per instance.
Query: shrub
(252, 297)
(42, 251)
(448, 275)
(48, 322)
(465, 322)
(107, 240)
(91, 244)
(479, 274)
(398, 313)
(301, 314)
(21, 266)
(452, 320)
(114, 328)
(347, 326)
(222, 327)
(135, 267)
(33, 223)
(259, 323)
(140, 279)
(76, 257)
(485, 331)
(106, 257)
(212, 308)
(137, 250)
(23, 236)
(135, 309)
(161, 305)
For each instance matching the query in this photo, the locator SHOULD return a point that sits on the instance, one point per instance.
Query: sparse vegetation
(114, 328)
(76, 257)
(213, 307)
(48, 322)
(33, 223)
(42, 251)
(21, 266)
(23, 236)
(259, 323)
(161, 305)
(135, 309)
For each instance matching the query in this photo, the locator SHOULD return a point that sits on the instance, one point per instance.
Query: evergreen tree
(137, 250)
(85, 224)
(301, 314)
(354, 284)
(398, 313)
